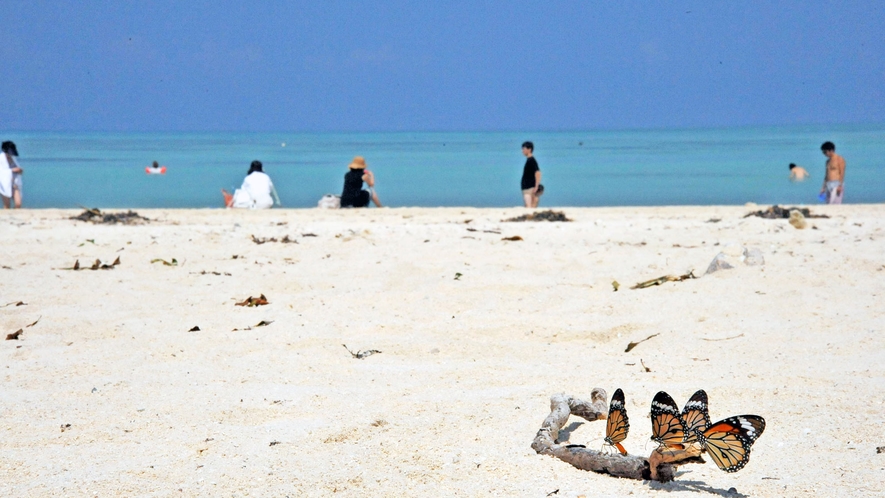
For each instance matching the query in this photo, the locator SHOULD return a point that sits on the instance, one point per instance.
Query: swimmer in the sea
(798, 173)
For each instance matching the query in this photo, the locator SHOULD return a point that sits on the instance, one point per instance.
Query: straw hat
(358, 163)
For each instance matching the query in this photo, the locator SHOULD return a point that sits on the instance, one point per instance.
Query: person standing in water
(353, 194)
(834, 174)
(798, 173)
(531, 177)
(10, 176)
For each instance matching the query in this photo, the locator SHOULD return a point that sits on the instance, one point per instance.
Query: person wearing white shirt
(10, 176)
(257, 191)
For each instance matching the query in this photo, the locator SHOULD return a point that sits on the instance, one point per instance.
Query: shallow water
(595, 168)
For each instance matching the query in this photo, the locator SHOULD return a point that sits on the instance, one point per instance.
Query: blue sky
(162, 65)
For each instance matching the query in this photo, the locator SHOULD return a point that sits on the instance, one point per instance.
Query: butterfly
(728, 441)
(618, 425)
(695, 417)
(667, 428)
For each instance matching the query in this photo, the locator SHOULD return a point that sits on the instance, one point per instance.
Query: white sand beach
(467, 365)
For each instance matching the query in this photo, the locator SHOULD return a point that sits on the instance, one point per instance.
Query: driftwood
(659, 466)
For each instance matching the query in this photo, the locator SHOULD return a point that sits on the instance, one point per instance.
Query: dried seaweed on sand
(548, 215)
(776, 212)
(95, 215)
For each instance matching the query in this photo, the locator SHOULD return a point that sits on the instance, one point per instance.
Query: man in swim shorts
(531, 177)
(834, 174)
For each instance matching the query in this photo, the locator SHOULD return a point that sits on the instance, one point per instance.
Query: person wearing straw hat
(353, 194)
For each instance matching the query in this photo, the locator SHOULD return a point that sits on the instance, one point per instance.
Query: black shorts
(360, 201)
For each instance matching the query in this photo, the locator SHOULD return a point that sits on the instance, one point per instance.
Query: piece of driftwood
(660, 466)
(664, 279)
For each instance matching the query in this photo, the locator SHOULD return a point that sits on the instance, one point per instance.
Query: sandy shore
(468, 364)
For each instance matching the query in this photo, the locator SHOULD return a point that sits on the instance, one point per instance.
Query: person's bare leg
(528, 199)
(5, 202)
(535, 199)
(375, 199)
(228, 198)
(17, 198)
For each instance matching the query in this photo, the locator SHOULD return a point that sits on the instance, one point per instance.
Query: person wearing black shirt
(353, 194)
(531, 177)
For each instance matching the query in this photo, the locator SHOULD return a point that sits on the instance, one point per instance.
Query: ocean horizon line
(458, 131)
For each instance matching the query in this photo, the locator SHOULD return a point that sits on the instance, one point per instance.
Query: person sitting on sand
(10, 176)
(834, 174)
(353, 195)
(798, 173)
(257, 191)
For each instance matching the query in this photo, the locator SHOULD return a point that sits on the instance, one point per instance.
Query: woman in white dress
(257, 191)
(10, 176)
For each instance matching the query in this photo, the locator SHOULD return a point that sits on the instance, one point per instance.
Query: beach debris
(204, 272)
(634, 344)
(548, 215)
(264, 240)
(723, 338)
(880, 449)
(660, 466)
(34, 323)
(308, 234)
(713, 220)
(174, 261)
(16, 303)
(643, 365)
(195, 328)
(15, 335)
(274, 443)
(615, 285)
(97, 265)
(262, 323)
(95, 215)
(797, 219)
(776, 212)
(753, 257)
(513, 238)
(719, 263)
(458, 276)
(359, 355)
(664, 279)
(91, 241)
(65, 427)
(253, 301)
(556, 491)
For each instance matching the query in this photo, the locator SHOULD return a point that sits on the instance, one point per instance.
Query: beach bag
(329, 201)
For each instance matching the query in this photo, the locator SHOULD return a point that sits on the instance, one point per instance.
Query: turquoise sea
(593, 168)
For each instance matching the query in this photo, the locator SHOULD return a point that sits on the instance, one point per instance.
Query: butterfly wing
(666, 426)
(695, 416)
(729, 441)
(617, 425)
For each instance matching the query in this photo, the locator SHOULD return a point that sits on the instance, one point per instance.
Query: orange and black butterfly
(728, 441)
(695, 416)
(667, 428)
(618, 425)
